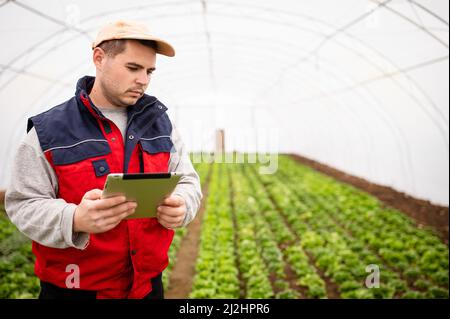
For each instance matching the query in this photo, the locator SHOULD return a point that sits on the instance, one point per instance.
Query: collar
(84, 87)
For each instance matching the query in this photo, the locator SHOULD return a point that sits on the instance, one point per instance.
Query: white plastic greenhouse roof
(356, 84)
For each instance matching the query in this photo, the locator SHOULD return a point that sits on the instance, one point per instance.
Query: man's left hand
(171, 211)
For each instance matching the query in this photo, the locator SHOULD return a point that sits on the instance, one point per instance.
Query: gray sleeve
(189, 185)
(31, 202)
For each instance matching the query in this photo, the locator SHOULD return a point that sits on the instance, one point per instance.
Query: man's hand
(171, 212)
(96, 215)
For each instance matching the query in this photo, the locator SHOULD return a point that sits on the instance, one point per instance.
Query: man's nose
(143, 78)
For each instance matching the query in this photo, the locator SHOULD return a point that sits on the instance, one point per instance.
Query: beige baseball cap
(131, 30)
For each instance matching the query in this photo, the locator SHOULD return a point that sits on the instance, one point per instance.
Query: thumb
(93, 194)
(174, 200)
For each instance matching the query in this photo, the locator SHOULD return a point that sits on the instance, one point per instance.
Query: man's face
(125, 77)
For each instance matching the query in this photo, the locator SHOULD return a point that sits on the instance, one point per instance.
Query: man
(84, 246)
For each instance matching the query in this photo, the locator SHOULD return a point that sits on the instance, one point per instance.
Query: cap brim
(164, 48)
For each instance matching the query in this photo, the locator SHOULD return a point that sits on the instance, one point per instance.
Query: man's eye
(132, 68)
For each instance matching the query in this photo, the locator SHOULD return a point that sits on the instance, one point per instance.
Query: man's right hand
(96, 215)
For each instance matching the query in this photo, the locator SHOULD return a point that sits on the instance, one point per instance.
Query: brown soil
(183, 272)
(2, 197)
(182, 275)
(424, 212)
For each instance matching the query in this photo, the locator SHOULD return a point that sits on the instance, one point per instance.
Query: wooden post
(220, 141)
(2, 198)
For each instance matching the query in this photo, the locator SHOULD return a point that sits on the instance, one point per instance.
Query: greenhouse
(311, 137)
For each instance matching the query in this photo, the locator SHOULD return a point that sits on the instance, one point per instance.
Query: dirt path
(424, 212)
(182, 274)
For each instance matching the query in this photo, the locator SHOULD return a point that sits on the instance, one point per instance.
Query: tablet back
(147, 189)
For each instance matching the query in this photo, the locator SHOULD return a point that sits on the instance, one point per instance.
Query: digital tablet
(147, 189)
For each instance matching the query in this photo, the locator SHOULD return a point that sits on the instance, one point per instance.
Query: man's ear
(98, 57)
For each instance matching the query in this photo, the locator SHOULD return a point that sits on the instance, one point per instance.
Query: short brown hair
(114, 47)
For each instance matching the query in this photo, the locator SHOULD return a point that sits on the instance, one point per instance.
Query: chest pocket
(156, 153)
(80, 167)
